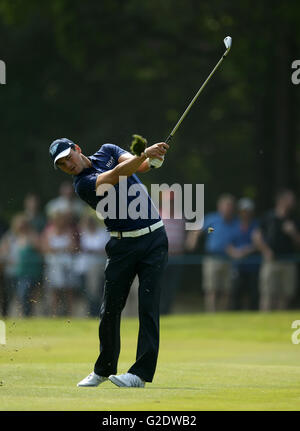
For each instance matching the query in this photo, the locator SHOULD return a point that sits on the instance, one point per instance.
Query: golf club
(227, 42)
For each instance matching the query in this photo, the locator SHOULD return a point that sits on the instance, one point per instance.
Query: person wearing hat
(245, 263)
(137, 246)
(218, 228)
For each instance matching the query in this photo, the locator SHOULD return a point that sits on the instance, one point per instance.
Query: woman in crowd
(59, 245)
(24, 262)
(90, 262)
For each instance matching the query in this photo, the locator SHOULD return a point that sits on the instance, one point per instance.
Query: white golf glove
(155, 163)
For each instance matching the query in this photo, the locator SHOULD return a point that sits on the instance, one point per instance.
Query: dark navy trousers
(145, 256)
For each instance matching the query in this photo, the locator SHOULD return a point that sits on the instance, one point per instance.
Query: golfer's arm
(144, 166)
(123, 169)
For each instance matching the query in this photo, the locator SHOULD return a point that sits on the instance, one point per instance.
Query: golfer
(137, 246)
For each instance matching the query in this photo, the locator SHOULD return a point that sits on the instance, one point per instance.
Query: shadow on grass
(157, 388)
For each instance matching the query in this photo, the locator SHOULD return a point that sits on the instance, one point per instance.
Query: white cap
(60, 155)
(246, 204)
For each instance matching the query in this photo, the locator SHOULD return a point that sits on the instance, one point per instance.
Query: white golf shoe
(127, 380)
(92, 380)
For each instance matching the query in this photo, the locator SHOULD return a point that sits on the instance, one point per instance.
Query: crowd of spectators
(52, 259)
(250, 263)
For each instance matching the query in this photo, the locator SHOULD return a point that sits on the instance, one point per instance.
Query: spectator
(59, 245)
(27, 263)
(216, 268)
(131, 306)
(68, 198)
(90, 262)
(8, 257)
(33, 213)
(277, 237)
(172, 277)
(245, 274)
(3, 229)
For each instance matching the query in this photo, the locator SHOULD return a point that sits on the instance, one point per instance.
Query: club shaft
(195, 98)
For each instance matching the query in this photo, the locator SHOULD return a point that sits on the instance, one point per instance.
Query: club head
(227, 43)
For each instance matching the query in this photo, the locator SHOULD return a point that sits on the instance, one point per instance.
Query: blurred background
(99, 71)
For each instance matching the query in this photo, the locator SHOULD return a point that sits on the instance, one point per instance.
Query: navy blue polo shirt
(105, 159)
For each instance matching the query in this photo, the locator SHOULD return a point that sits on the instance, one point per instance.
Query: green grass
(223, 361)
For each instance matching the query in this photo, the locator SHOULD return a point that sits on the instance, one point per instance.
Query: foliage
(97, 71)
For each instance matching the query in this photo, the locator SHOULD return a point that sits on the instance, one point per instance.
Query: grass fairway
(226, 361)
